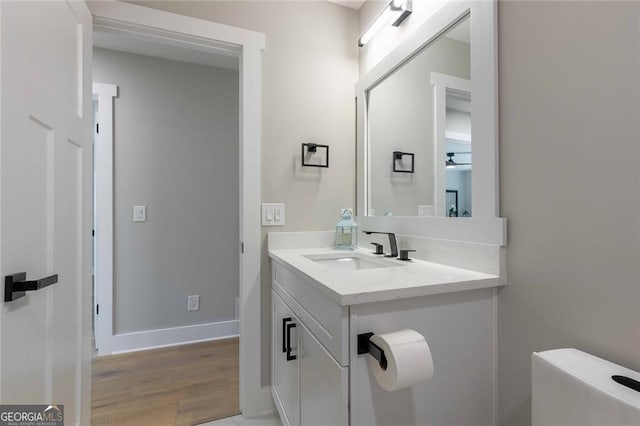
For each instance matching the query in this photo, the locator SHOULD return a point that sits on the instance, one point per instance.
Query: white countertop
(407, 279)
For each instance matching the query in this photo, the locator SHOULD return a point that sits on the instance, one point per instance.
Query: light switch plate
(139, 213)
(424, 210)
(272, 214)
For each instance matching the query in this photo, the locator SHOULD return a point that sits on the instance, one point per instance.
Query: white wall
(401, 118)
(175, 151)
(458, 121)
(310, 67)
(569, 89)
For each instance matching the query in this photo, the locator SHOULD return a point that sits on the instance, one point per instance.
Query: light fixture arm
(399, 10)
(404, 8)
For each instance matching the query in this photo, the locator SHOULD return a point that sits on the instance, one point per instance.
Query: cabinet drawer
(327, 321)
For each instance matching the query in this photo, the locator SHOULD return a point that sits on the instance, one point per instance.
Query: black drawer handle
(16, 285)
(284, 333)
(289, 356)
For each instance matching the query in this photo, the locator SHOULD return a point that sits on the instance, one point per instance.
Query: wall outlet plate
(193, 302)
(139, 213)
(424, 210)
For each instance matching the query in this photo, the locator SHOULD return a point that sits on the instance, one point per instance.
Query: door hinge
(97, 127)
(98, 309)
(242, 248)
(93, 232)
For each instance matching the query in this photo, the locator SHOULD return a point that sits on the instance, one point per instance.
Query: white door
(45, 203)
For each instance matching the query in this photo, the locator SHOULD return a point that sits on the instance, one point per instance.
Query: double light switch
(272, 214)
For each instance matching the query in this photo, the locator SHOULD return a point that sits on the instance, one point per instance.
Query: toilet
(574, 388)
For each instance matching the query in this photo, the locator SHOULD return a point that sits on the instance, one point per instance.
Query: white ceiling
(145, 46)
(353, 4)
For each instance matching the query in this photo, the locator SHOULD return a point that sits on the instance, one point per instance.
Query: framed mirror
(427, 120)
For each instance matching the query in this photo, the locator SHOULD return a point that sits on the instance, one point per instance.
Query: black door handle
(284, 333)
(289, 356)
(16, 285)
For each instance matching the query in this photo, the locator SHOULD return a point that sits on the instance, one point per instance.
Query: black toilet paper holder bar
(366, 346)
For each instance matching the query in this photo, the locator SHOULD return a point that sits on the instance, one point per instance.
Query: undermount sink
(349, 261)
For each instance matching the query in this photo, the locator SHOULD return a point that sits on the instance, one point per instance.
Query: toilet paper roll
(409, 359)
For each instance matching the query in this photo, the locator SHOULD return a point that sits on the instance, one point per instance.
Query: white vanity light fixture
(396, 10)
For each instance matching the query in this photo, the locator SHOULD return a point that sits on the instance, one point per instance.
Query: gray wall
(569, 89)
(176, 150)
(401, 113)
(309, 69)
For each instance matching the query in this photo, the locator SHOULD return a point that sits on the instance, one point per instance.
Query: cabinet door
(284, 361)
(324, 386)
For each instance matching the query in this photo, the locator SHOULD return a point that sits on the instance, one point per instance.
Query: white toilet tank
(574, 388)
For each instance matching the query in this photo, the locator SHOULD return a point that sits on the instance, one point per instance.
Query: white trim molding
(206, 36)
(152, 339)
(103, 226)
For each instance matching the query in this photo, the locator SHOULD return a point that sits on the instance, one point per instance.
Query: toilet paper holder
(366, 346)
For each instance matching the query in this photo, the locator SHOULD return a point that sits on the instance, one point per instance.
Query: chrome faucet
(392, 242)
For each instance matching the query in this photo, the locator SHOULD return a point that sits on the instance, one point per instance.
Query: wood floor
(181, 385)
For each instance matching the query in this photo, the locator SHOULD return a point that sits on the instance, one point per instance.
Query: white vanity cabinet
(323, 310)
(309, 385)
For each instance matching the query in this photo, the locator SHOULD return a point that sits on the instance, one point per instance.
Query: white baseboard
(152, 339)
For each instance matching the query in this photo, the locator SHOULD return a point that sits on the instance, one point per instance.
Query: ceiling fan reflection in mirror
(451, 163)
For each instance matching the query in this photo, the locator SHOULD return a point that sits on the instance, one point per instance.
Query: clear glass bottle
(346, 231)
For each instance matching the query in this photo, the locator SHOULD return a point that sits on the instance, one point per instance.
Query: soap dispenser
(346, 231)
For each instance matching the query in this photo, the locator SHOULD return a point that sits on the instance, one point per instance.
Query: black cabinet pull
(16, 285)
(289, 356)
(284, 333)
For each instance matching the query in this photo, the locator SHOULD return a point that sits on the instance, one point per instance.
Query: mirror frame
(484, 103)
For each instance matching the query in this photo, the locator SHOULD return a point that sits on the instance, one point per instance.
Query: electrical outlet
(139, 213)
(193, 302)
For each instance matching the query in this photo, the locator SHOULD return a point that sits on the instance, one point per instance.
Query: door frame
(441, 83)
(103, 215)
(246, 45)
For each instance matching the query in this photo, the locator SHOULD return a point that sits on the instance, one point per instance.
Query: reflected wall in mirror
(423, 108)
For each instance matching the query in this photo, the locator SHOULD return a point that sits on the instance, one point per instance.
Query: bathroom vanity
(427, 150)
(322, 298)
